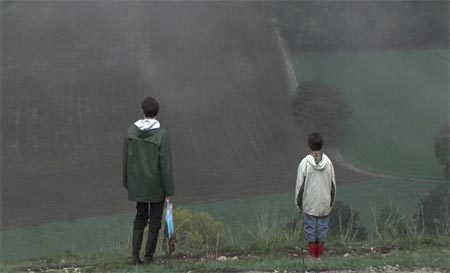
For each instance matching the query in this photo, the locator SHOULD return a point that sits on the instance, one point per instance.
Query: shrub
(433, 213)
(197, 232)
(390, 224)
(271, 236)
(345, 224)
(441, 147)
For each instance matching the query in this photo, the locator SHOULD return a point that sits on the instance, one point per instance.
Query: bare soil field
(73, 74)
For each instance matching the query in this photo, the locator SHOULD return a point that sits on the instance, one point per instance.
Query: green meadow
(399, 99)
(111, 234)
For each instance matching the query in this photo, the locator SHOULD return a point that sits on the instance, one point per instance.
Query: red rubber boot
(312, 249)
(319, 249)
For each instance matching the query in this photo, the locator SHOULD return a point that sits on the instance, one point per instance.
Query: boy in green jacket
(147, 175)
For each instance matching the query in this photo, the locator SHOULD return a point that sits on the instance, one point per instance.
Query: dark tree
(345, 223)
(441, 147)
(433, 214)
(322, 108)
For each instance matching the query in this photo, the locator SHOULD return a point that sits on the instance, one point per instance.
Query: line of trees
(321, 25)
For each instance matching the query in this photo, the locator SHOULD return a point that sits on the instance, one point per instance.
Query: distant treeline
(318, 25)
(4, 4)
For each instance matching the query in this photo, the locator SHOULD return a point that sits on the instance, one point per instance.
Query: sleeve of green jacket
(165, 165)
(124, 181)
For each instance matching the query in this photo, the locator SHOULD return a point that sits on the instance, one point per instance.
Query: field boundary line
(339, 158)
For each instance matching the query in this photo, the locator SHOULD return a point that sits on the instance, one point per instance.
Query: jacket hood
(318, 160)
(147, 124)
(146, 127)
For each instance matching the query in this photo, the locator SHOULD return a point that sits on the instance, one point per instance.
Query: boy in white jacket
(314, 194)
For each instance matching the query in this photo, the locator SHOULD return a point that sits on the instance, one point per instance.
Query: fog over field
(74, 72)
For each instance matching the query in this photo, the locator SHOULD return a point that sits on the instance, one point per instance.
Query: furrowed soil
(73, 74)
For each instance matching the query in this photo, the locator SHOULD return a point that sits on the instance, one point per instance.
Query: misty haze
(240, 84)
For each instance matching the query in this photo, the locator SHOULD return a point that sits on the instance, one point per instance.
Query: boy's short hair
(315, 141)
(150, 107)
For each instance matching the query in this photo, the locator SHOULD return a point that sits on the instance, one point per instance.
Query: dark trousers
(153, 216)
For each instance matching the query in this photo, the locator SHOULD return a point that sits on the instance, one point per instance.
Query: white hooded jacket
(316, 185)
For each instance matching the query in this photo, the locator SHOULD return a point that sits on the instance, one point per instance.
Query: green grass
(400, 100)
(376, 193)
(380, 193)
(111, 234)
(268, 262)
(90, 235)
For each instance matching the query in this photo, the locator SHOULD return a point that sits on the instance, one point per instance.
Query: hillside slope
(73, 74)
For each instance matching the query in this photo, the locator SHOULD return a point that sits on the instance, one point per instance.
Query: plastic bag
(169, 233)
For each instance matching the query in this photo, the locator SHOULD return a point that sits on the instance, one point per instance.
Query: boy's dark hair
(315, 141)
(150, 107)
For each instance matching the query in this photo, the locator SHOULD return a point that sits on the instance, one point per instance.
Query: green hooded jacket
(147, 165)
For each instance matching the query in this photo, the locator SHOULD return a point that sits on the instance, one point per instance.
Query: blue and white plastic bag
(170, 231)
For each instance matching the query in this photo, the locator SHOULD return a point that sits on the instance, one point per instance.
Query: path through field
(339, 159)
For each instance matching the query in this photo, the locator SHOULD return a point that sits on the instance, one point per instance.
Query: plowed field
(73, 74)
